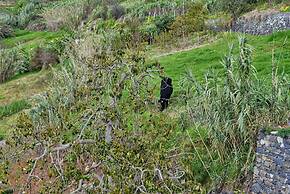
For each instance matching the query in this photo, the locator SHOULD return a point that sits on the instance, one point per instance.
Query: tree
(235, 7)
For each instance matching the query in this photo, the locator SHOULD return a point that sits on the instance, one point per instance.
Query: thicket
(192, 21)
(96, 129)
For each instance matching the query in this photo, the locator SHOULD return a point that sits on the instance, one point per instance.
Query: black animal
(166, 90)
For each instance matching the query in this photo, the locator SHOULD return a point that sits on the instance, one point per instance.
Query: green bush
(117, 11)
(154, 26)
(12, 61)
(149, 30)
(163, 23)
(192, 21)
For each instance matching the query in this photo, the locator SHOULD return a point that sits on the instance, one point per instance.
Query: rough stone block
(272, 168)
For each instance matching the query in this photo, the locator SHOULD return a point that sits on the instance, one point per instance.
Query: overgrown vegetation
(106, 91)
(97, 128)
(5, 31)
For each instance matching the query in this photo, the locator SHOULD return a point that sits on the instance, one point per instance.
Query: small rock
(280, 139)
(2, 143)
(274, 132)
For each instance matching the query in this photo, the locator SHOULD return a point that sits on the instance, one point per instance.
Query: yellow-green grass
(23, 86)
(12, 108)
(200, 60)
(6, 124)
(15, 93)
(30, 39)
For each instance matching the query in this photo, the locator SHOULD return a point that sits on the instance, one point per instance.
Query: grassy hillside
(15, 94)
(200, 60)
(99, 114)
(29, 39)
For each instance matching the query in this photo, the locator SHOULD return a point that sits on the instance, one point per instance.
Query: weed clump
(5, 31)
(42, 58)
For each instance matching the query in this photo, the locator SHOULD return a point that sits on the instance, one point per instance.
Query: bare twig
(34, 166)
(79, 187)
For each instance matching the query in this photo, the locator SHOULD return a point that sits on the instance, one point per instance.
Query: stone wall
(260, 24)
(272, 166)
(255, 23)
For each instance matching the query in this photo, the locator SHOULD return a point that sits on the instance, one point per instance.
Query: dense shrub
(5, 31)
(117, 11)
(149, 30)
(153, 26)
(12, 61)
(100, 12)
(163, 23)
(42, 58)
(192, 21)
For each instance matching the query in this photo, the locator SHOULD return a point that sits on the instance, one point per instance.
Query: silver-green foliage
(12, 61)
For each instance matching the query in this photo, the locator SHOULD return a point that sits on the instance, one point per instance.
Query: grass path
(30, 39)
(181, 50)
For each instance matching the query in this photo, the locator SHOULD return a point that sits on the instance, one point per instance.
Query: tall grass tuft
(233, 107)
(13, 108)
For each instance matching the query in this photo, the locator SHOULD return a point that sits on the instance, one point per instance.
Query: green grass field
(200, 60)
(30, 39)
